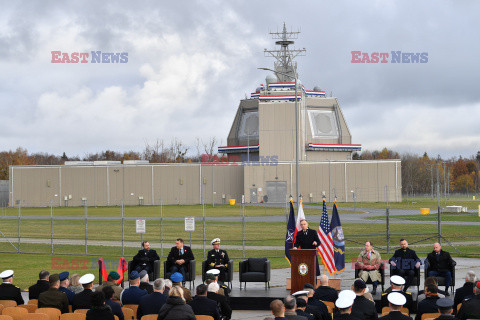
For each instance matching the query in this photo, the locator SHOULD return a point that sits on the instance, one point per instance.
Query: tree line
(421, 174)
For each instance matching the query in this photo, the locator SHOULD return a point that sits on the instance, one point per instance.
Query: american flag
(326, 247)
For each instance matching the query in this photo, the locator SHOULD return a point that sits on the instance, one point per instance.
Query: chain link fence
(245, 230)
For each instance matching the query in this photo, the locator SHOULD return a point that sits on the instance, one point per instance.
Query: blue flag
(290, 232)
(338, 240)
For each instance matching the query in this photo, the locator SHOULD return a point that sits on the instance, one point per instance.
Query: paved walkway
(278, 279)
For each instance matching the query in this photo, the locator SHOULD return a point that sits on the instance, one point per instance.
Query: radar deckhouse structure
(264, 125)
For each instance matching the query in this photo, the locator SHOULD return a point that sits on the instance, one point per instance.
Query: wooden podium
(303, 268)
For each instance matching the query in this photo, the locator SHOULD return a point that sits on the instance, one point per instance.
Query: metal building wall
(371, 181)
(37, 186)
(3, 193)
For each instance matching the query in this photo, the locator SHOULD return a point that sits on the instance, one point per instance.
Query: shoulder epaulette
(408, 293)
(384, 294)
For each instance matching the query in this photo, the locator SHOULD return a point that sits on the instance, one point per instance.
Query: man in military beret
(7, 290)
(53, 298)
(112, 282)
(445, 307)
(218, 259)
(64, 283)
(177, 279)
(39, 287)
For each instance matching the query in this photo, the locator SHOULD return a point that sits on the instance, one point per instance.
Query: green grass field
(37, 256)
(416, 203)
(168, 211)
(466, 217)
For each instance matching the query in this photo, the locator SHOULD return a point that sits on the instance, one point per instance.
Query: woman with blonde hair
(175, 308)
(75, 286)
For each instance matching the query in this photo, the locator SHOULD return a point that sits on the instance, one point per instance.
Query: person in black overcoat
(429, 304)
(404, 262)
(362, 308)
(42, 285)
(440, 264)
(470, 308)
(307, 239)
(152, 303)
(201, 305)
(466, 291)
(99, 310)
(145, 258)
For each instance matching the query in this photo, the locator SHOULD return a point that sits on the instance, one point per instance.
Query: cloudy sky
(190, 62)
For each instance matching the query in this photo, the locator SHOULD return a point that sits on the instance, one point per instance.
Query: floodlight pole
(296, 130)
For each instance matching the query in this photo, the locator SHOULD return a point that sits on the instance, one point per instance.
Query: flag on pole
(290, 232)
(300, 217)
(326, 247)
(338, 240)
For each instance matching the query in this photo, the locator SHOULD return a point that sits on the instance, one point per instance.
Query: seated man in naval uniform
(218, 259)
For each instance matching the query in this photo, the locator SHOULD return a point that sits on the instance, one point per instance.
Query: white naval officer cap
(396, 298)
(300, 293)
(344, 301)
(6, 274)
(215, 272)
(86, 279)
(347, 293)
(215, 241)
(399, 281)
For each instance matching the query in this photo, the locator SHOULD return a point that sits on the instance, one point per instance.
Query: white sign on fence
(189, 223)
(141, 226)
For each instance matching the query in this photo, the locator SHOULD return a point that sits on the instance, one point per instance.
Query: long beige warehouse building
(149, 184)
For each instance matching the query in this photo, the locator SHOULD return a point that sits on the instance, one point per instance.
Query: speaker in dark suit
(307, 239)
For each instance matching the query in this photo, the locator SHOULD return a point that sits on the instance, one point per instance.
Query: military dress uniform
(218, 257)
(53, 298)
(408, 297)
(7, 290)
(398, 299)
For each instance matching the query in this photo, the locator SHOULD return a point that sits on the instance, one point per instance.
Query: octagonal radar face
(248, 125)
(323, 123)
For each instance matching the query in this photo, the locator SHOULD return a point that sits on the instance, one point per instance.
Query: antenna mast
(284, 55)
